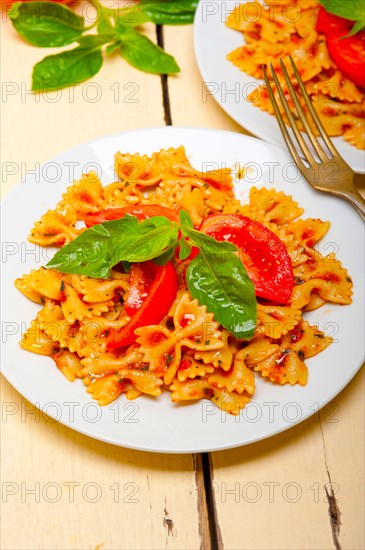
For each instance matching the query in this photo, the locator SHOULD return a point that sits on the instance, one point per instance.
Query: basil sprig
(215, 277)
(49, 24)
(353, 10)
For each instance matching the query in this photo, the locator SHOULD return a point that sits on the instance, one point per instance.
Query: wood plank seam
(215, 532)
(164, 81)
(203, 515)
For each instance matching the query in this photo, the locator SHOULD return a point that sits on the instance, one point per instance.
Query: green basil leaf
(46, 24)
(207, 243)
(143, 54)
(359, 26)
(185, 219)
(166, 256)
(104, 24)
(112, 47)
(185, 249)
(131, 17)
(93, 252)
(126, 266)
(96, 40)
(67, 68)
(167, 12)
(149, 245)
(102, 246)
(226, 290)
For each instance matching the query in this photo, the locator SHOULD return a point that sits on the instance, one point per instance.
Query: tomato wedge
(349, 56)
(328, 23)
(155, 306)
(141, 277)
(264, 256)
(142, 212)
(348, 53)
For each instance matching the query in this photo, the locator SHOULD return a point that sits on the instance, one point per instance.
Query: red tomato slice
(141, 277)
(349, 56)
(328, 23)
(264, 256)
(142, 212)
(154, 308)
(347, 53)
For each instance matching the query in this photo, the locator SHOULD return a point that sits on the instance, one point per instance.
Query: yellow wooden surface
(146, 500)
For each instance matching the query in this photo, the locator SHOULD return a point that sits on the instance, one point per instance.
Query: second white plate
(229, 86)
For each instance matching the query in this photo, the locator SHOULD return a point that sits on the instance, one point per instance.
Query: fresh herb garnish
(98, 249)
(74, 66)
(353, 10)
(48, 24)
(216, 277)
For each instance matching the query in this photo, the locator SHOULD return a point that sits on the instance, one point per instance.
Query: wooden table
(302, 489)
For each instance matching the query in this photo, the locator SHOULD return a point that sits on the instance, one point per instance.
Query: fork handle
(354, 197)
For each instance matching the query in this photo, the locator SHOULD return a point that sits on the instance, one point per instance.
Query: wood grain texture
(272, 494)
(62, 490)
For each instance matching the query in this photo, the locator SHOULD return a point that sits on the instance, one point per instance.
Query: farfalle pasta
(189, 353)
(285, 28)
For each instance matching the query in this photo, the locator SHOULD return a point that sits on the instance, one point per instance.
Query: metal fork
(317, 173)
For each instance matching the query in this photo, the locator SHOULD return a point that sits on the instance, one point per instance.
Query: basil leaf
(102, 246)
(185, 249)
(226, 290)
(46, 24)
(165, 257)
(348, 9)
(96, 40)
(176, 12)
(126, 266)
(143, 54)
(112, 47)
(185, 219)
(93, 252)
(67, 68)
(87, 255)
(207, 243)
(150, 245)
(104, 25)
(359, 26)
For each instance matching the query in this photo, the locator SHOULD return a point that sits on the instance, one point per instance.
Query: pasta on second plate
(288, 27)
(189, 353)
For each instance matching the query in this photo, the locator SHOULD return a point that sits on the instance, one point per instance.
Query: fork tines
(305, 150)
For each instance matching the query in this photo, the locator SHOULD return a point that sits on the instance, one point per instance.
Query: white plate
(156, 424)
(230, 87)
